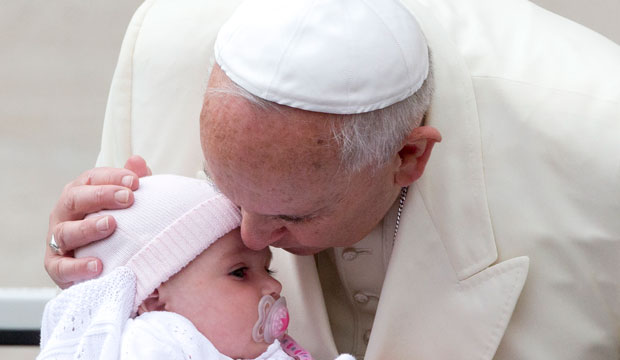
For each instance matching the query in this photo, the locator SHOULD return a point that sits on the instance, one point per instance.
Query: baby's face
(219, 292)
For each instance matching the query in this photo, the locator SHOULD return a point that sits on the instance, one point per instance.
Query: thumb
(138, 165)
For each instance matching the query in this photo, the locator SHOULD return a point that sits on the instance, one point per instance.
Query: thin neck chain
(401, 203)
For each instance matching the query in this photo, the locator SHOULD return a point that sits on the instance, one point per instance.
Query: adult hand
(94, 190)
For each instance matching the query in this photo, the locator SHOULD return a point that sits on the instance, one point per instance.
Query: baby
(177, 283)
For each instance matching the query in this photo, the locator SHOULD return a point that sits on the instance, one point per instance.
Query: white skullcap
(333, 56)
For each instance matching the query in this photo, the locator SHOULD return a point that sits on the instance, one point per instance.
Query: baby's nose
(272, 287)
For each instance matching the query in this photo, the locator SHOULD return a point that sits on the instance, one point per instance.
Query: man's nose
(258, 231)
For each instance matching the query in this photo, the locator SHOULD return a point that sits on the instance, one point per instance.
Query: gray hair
(367, 140)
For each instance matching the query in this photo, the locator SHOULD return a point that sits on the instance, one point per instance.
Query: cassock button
(366, 336)
(360, 298)
(201, 175)
(349, 254)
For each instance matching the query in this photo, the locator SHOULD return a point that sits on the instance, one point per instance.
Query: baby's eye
(239, 273)
(269, 271)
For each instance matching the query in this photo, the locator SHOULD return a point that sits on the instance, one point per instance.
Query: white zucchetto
(333, 56)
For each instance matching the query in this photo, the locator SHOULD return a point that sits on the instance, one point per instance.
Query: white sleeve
(345, 357)
(141, 342)
(85, 321)
(162, 335)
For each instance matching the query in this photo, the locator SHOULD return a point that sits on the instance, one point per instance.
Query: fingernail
(122, 196)
(92, 266)
(127, 181)
(102, 224)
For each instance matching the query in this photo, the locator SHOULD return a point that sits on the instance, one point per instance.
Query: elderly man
(316, 122)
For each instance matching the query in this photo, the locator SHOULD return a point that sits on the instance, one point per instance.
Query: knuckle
(87, 176)
(75, 268)
(67, 188)
(99, 195)
(58, 272)
(85, 229)
(60, 236)
(47, 264)
(110, 177)
(55, 269)
(68, 199)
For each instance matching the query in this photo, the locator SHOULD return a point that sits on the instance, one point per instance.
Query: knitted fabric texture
(86, 321)
(173, 220)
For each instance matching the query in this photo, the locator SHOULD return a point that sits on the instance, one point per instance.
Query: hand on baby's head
(181, 239)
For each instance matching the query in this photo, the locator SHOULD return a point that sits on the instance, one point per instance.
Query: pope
(319, 121)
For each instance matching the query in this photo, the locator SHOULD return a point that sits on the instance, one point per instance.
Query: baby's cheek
(237, 322)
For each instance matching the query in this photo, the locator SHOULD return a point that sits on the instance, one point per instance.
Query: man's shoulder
(518, 41)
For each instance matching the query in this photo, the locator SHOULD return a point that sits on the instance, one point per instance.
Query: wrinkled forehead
(276, 138)
(267, 166)
(266, 153)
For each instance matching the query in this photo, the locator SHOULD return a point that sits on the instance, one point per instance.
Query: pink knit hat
(173, 220)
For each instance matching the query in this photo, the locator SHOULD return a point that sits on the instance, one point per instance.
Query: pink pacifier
(272, 320)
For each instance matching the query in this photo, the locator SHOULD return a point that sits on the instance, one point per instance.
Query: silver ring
(54, 246)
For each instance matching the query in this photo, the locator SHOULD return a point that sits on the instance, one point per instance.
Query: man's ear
(415, 153)
(152, 303)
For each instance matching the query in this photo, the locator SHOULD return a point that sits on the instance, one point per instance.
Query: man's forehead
(296, 139)
(276, 158)
(275, 196)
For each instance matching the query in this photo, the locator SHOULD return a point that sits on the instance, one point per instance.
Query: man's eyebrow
(294, 218)
(322, 211)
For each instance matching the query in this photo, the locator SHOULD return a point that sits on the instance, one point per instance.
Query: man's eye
(239, 273)
(291, 219)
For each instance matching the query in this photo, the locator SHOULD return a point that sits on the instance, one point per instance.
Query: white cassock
(509, 245)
